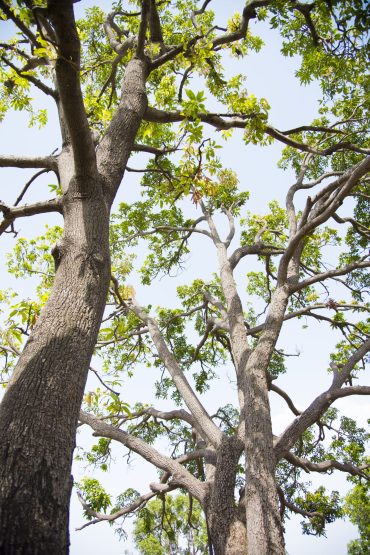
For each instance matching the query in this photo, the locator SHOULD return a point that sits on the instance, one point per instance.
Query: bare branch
(12, 213)
(344, 270)
(47, 162)
(261, 249)
(103, 382)
(153, 149)
(326, 466)
(286, 397)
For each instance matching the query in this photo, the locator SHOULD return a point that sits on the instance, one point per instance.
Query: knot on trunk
(57, 253)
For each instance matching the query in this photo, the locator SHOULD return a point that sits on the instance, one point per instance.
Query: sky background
(270, 76)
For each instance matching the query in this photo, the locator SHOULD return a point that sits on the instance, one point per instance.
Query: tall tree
(119, 82)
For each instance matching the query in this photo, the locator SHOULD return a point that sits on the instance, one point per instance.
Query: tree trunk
(264, 530)
(38, 414)
(229, 536)
(224, 519)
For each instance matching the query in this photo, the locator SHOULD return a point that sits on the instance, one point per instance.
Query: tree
(106, 73)
(170, 525)
(358, 508)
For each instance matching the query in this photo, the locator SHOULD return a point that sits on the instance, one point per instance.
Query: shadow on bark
(38, 418)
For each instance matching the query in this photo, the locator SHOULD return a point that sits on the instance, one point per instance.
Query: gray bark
(226, 522)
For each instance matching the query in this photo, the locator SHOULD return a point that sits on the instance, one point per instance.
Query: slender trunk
(263, 521)
(224, 519)
(38, 414)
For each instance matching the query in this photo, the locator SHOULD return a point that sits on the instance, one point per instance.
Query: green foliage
(357, 507)
(186, 175)
(171, 524)
(94, 494)
(327, 507)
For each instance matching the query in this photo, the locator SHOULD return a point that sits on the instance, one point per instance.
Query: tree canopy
(143, 88)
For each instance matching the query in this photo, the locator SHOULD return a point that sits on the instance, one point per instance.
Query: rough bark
(264, 530)
(38, 414)
(225, 521)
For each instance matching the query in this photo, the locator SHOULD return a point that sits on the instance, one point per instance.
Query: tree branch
(330, 274)
(47, 162)
(12, 213)
(67, 71)
(326, 466)
(205, 423)
(309, 416)
(286, 397)
(220, 123)
(180, 475)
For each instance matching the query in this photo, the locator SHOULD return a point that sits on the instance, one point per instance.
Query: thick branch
(48, 162)
(208, 427)
(259, 248)
(180, 475)
(67, 70)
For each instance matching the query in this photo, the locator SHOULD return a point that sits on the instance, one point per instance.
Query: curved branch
(318, 407)
(286, 397)
(326, 466)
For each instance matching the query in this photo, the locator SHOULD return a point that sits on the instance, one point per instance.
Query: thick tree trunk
(263, 521)
(224, 519)
(229, 536)
(38, 414)
(264, 530)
